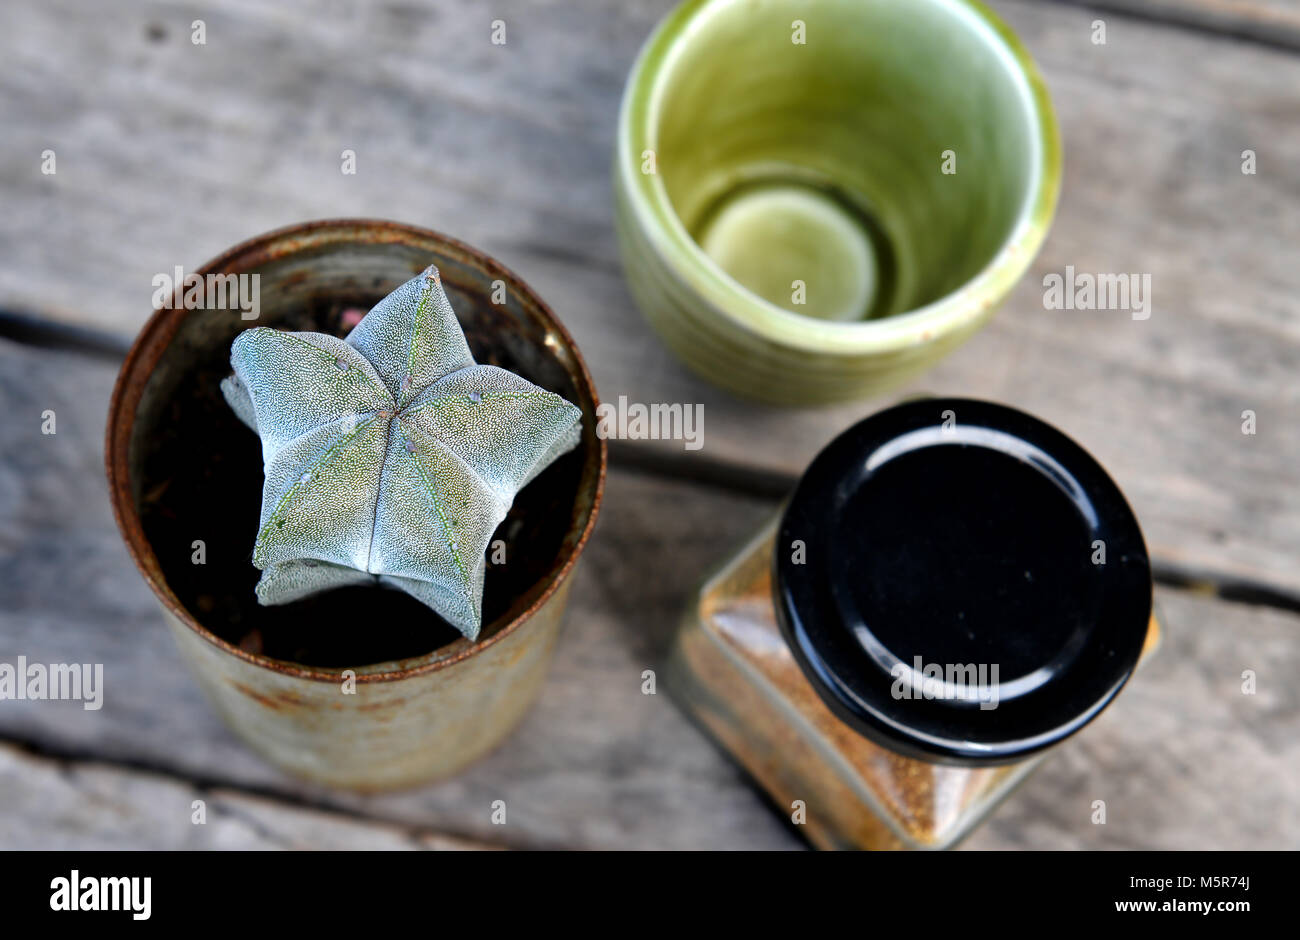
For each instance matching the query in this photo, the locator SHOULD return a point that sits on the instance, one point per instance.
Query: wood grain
(169, 152)
(83, 806)
(1183, 759)
(1271, 22)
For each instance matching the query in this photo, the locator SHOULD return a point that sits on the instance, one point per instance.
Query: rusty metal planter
(411, 720)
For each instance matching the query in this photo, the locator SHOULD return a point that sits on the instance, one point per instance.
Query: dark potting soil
(202, 481)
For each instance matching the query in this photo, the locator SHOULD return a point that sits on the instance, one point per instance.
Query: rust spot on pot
(274, 699)
(378, 706)
(256, 696)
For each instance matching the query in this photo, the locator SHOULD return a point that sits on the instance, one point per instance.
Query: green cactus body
(389, 456)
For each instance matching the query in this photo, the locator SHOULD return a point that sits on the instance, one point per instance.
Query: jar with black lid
(953, 588)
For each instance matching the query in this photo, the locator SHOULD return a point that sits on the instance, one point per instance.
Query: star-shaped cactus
(389, 456)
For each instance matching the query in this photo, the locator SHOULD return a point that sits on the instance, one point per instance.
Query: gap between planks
(663, 461)
(390, 833)
(736, 478)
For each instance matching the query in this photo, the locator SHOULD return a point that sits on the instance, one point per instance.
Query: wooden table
(168, 152)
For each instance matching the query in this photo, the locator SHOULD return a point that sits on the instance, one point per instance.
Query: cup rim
(965, 306)
(156, 336)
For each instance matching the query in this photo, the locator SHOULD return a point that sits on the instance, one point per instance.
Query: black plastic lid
(957, 534)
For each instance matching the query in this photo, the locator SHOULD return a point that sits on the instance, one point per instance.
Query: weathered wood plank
(71, 805)
(1183, 759)
(169, 152)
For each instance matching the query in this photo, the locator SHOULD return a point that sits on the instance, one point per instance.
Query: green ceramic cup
(816, 199)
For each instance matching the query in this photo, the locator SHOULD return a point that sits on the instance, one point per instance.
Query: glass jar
(953, 588)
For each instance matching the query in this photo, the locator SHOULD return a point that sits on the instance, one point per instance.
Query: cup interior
(881, 163)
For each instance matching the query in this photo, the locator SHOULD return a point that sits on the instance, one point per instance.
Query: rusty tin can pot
(411, 720)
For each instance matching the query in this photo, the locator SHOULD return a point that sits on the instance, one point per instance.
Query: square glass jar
(733, 667)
